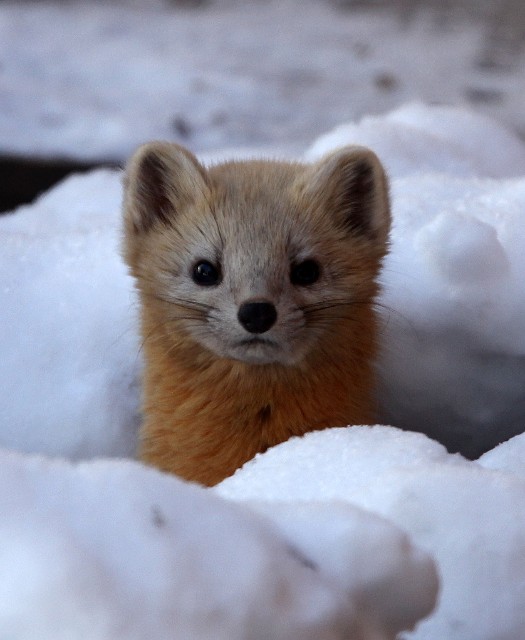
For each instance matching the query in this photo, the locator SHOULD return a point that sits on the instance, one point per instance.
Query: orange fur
(204, 414)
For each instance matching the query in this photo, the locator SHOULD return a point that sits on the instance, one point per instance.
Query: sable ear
(160, 179)
(352, 183)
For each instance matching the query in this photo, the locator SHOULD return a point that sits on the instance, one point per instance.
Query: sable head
(255, 261)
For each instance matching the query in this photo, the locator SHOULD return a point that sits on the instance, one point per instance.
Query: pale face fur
(254, 222)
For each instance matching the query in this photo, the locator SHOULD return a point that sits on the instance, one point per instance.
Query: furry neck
(207, 415)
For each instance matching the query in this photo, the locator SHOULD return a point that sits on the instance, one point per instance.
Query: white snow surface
(69, 348)
(334, 533)
(109, 549)
(453, 301)
(472, 519)
(92, 80)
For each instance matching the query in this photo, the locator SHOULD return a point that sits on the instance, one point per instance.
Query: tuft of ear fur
(352, 184)
(160, 179)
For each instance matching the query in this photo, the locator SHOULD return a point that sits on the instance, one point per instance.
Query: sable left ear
(352, 183)
(161, 179)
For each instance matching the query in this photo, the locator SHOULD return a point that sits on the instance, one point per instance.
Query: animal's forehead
(255, 174)
(254, 183)
(258, 197)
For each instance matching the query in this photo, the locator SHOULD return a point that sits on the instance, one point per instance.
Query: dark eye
(206, 274)
(305, 273)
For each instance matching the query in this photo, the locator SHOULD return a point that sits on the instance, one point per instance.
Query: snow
(70, 351)
(452, 302)
(453, 334)
(333, 535)
(472, 519)
(508, 456)
(115, 550)
(391, 581)
(92, 80)
(415, 140)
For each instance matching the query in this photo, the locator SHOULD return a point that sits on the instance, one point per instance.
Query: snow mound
(453, 302)
(453, 306)
(112, 549)
(69, 344)
(417, 139)
(470, 518)
(392, 582)
(508, 456)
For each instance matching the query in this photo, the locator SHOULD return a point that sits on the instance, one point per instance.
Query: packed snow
(333, 535)
(107, 550)
(471, 518)
(69, 345)
(453, 300)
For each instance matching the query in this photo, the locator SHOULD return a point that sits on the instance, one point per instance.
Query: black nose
(257, 317)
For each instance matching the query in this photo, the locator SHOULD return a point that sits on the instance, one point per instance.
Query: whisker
(321, 314)
(155, 334)
(181, 302)
(341, 302)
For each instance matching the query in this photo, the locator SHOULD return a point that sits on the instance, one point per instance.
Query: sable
(257, 283)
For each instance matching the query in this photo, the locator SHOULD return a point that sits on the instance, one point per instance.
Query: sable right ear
(160, 179)
(352, 183)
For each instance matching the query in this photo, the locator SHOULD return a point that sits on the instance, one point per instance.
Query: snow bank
(416, 139)
(392, 583)
(471, 519)
(69, 347)
(454, 309)
(114, 550)
(453, 300)
(508, 456)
